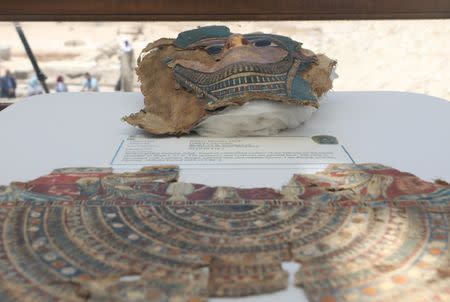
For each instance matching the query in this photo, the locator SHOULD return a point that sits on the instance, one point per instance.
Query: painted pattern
(243, 78)
(361, 233)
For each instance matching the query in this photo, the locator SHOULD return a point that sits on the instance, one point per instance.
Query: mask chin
(257, 118)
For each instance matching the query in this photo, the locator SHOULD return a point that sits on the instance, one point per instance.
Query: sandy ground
(411, 55)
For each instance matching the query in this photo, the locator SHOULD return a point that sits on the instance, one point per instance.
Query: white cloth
(255, 118)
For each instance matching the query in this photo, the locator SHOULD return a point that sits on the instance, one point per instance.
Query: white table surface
(410, 132)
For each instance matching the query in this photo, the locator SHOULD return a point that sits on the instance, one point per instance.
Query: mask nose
(235, 41)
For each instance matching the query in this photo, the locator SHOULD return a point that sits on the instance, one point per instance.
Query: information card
(253, 152)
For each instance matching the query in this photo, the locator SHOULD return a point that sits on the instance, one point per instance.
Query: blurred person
(8, 85)
(90, 84)
(34, 86)
(60, 85)
(126, 57)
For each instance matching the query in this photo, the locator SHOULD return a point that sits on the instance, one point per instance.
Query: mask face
(246, 67)
(188, 79)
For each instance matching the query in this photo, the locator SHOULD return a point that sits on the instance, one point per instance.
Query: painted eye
(214, 50)
(263, 43)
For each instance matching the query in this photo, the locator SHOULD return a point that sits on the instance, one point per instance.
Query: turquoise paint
(188, 37)
(301, 89)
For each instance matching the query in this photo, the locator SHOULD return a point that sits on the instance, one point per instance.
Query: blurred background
(400, 55)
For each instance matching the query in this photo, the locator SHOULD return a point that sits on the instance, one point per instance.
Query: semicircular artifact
(216, 83)
(360, 232)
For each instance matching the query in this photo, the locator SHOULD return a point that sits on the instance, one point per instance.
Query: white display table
(410, 132)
